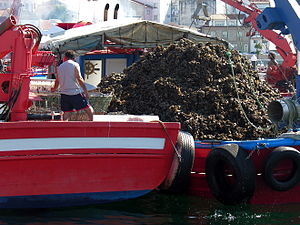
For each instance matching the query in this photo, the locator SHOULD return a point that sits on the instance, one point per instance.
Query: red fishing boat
(50, 164)
(69, 163)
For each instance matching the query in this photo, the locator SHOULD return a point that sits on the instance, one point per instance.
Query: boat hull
(258, 150)
(57, 164)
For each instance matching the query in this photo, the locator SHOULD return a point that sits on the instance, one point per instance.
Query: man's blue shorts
(70, 103)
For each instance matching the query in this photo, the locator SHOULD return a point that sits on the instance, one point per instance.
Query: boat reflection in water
(157, 209)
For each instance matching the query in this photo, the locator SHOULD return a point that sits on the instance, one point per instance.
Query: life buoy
(277, 156)
(178, 177)
(230, 174)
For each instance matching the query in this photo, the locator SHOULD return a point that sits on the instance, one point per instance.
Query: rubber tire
(243, 186)
(278, 154)
(186, 146)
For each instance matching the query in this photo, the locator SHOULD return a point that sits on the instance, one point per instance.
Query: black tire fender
(242, 185)
(276, 156)
(178, 177)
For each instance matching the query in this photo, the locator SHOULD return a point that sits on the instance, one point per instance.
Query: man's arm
(56, 84)
(81, 82)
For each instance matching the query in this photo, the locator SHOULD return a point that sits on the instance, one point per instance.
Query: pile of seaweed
(210, 89)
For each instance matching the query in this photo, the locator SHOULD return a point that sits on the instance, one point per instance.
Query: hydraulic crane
(285, 16)
(19, 42)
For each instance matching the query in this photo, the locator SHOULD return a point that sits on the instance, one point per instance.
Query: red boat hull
(263, 193)
(42, 162)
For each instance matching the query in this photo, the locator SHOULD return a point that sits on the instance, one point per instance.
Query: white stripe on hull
(81, 143)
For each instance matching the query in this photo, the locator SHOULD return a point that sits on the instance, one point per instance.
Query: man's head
(70, 54)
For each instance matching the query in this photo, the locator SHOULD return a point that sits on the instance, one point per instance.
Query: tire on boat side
(278, 155)
(240, 185)
(177, 180)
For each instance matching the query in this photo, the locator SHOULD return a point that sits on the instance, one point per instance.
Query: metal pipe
(285, 111)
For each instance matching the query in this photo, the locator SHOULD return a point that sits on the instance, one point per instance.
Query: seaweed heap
(194, 84)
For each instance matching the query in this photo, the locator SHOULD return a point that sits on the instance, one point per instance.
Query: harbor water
(158, 209)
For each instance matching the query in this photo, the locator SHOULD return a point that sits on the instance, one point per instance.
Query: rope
(168, 135)
(238, 96)
(257, 150)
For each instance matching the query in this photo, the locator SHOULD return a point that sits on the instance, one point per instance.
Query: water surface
(158, 209)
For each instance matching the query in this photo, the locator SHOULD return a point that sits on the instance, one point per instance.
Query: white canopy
(126, 34)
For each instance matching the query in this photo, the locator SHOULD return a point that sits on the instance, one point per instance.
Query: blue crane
(285, 17)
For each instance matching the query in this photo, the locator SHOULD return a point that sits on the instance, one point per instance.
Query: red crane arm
(282, 45)
(22, 42)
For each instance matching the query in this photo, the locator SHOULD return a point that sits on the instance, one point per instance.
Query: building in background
(88, 10)
(228, 25)
(121, 9)
(180, 11)
(257, 41)
(4, 4)
(229, 28)
(101, 10)
(188, 8)
(226, 22)
(261, 4)
(152, 9)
